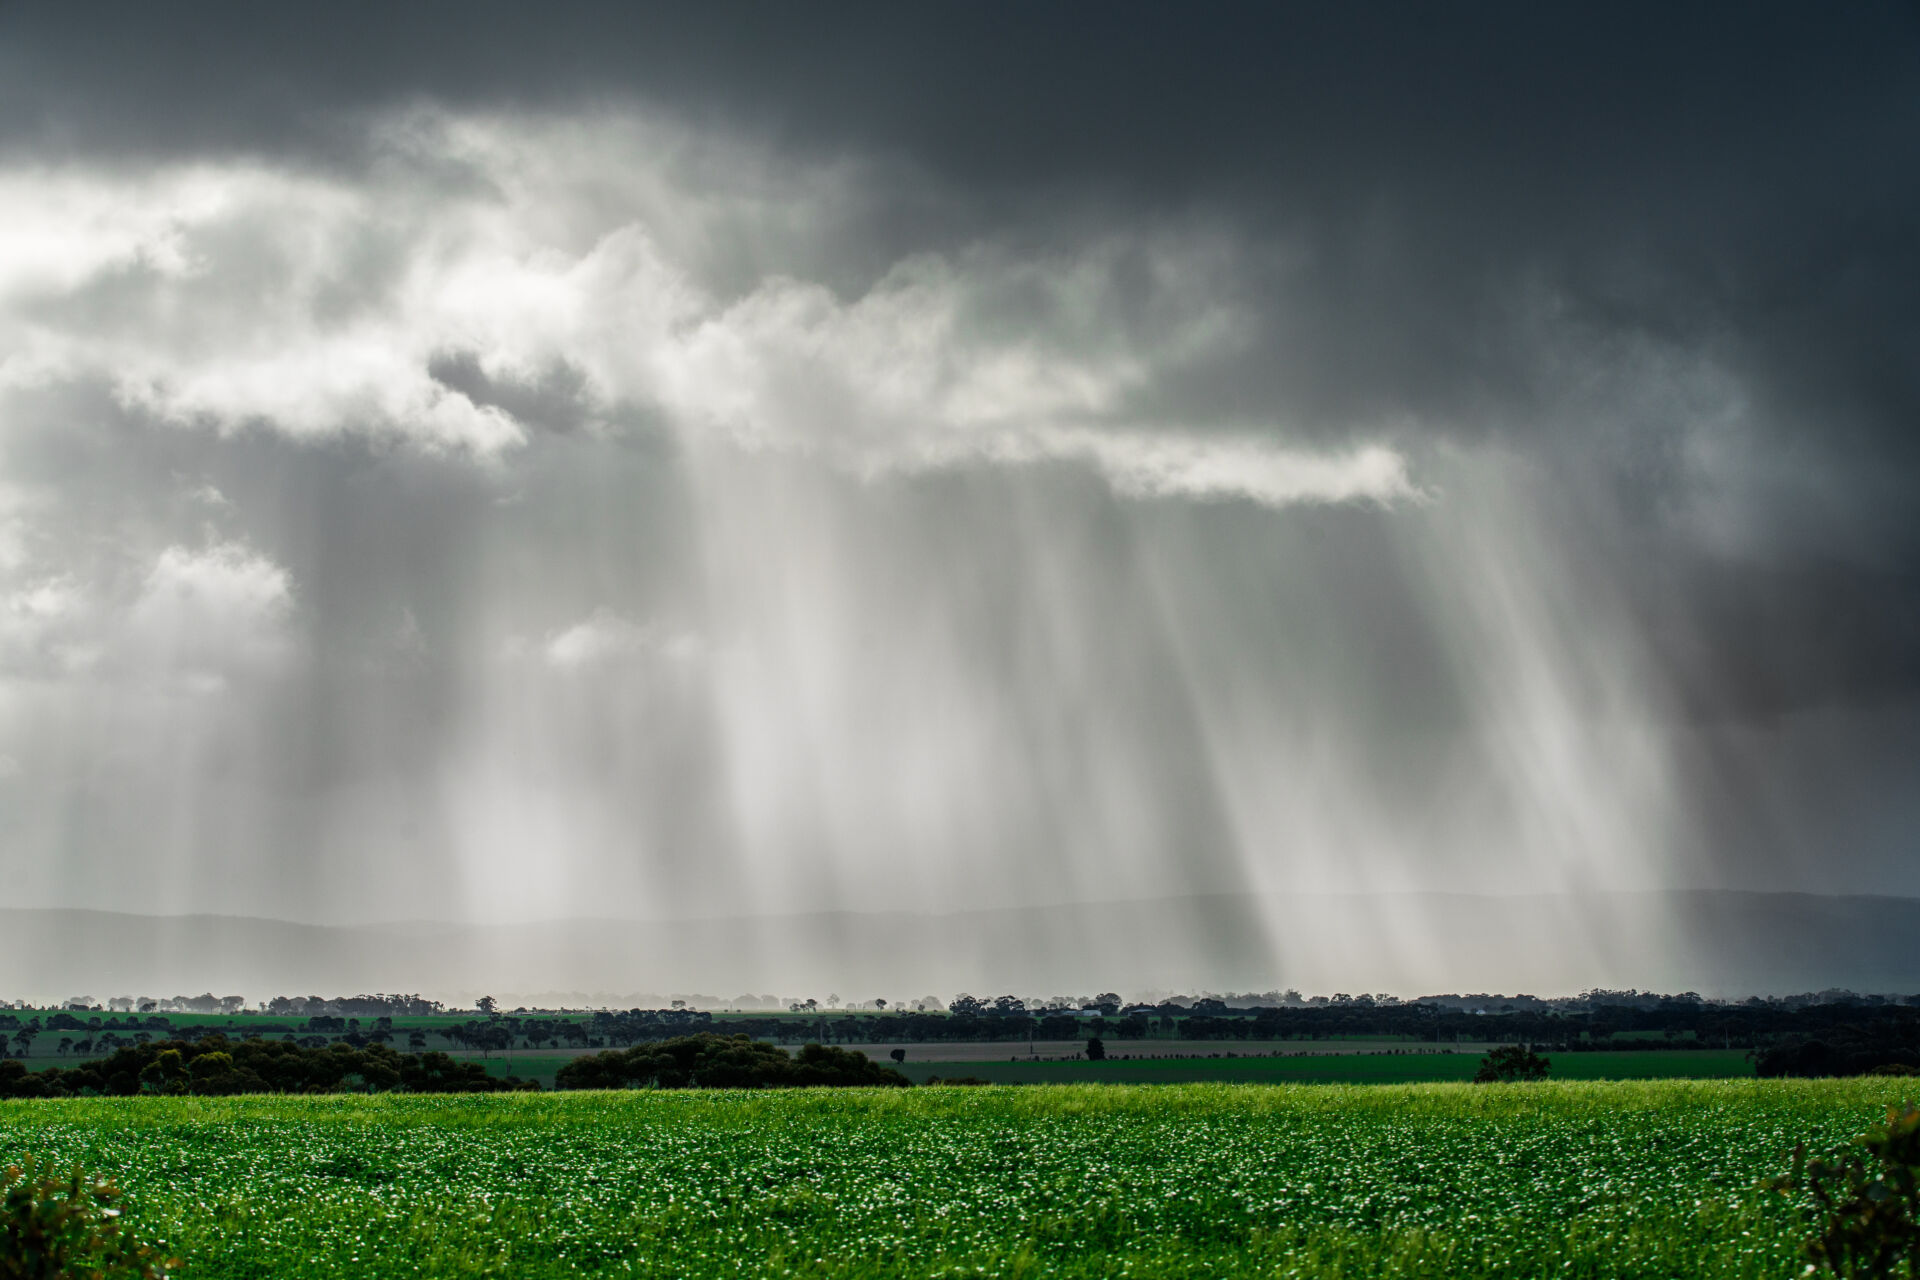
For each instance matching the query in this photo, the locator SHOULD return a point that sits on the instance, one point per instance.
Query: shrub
(67, 1226)
(707, 1061)
(1865, 1200)
(1511, 1062)
(214, 1065)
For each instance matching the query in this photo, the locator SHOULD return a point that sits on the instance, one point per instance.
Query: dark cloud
(1737, 175)
(1629, 290)
(1768, 640)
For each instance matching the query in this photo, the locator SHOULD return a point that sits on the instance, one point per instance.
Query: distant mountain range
(1714, 942)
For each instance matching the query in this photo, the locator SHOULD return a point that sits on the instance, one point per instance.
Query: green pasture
(525, 1064)
(1654, 1035)
(1212, 1180)
(1342, 1068)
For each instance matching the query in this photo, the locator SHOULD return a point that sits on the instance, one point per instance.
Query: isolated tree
(880, 1004)
(898, 1055)
(490, 1037)
(1511, 1062)
(1096, 1049)
(486, 1005)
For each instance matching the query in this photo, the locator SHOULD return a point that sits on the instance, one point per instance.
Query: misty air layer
(882, 469)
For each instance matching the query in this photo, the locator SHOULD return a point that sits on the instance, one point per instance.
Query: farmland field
(1578, 1179)
(1232, 1066)
(1344, 1068)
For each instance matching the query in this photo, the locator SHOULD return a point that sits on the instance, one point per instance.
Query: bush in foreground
(707, 1061)
(1865, 1200)
(67, 1226)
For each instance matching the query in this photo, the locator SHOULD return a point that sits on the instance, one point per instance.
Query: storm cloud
(465, 463)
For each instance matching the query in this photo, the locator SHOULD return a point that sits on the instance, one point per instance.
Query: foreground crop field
(1568, 1179)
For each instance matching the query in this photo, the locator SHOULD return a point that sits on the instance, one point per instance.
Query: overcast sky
(510, 463)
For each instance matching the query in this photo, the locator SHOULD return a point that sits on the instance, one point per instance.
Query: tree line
(215, 1065)
(1670, 1023)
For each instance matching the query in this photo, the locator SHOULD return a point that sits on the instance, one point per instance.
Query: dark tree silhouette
(707, 1061)
(1511, 1062)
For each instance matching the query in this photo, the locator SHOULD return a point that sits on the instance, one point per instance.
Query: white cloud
(45, 602)
(608, 637)
(48, 627)
(208, 612)
(244, 296)
(200, 615)
(227, 581)
(1187, 467)
(208, 495)
(63, 230)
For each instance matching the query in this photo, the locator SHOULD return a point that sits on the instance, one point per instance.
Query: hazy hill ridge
(1718, 943)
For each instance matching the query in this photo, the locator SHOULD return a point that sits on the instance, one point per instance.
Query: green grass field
(1341, 1068)
(522, 1063)
(1565, 1179)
